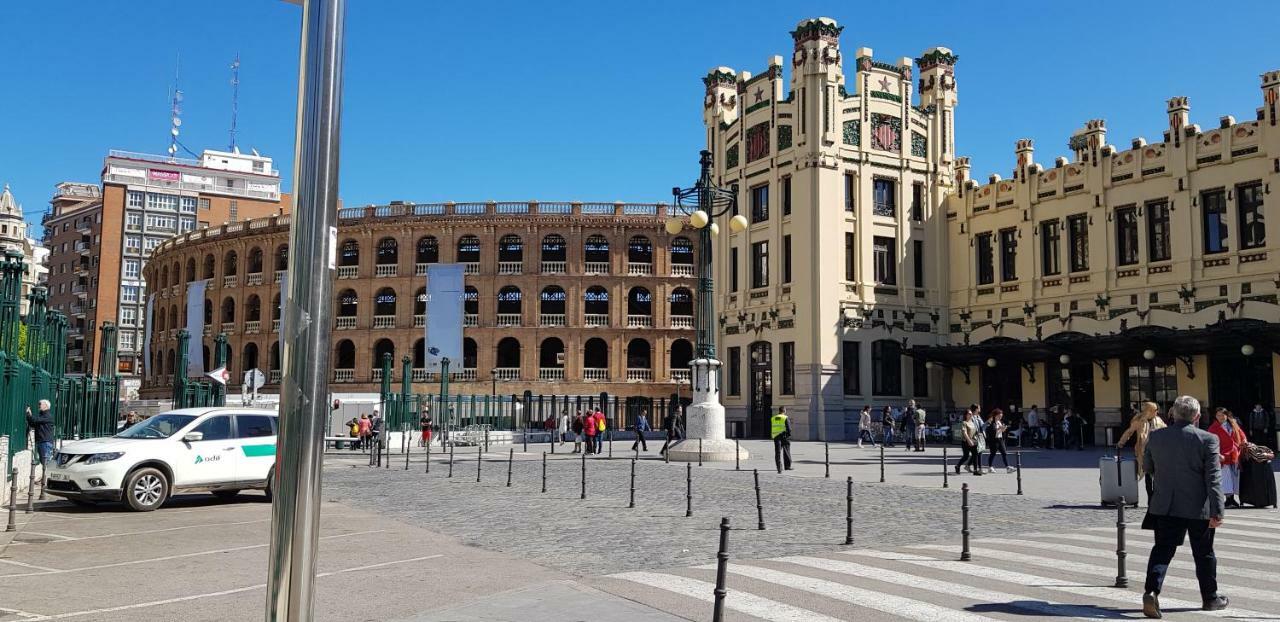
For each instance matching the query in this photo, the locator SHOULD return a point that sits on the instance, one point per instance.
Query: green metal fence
(192, 392)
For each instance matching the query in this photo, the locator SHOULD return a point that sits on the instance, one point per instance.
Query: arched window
(510, 249)
(471, 300)
(551, 354)
(191, 269)
(388, 252)
(275, 355)
(639, 250)
(161, 322)
(681, 354)
(681, 251)
(468, 353)
(208, 314)
(275, 306)
(344, 355)
(349, 253)
(596, 301)
(253, 309)
(164, 277)
(595, 356)
(420, 302)
(681, 302)
(169, 360)
(173, 317)
(250, 358)
(384, 303)
(551, 300)
(509, 300)
(282, 257)
(638, 355)
(204, 353)
(508, 353)
(886, 367)
(554, 248)
(381, 349)
(255, 260)
(228, 310)
(469, 249)
(419, 354)
(428, 250)
(347, 303)
(639, 302)
(596, 249)
(230, 264)
(208, 267)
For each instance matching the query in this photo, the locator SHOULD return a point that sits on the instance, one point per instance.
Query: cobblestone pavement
(601, 535)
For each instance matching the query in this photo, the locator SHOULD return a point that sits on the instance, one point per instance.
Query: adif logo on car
(213, 458)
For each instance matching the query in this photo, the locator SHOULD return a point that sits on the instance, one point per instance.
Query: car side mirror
(191, 437)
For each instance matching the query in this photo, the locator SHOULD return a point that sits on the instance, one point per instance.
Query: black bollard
(722, 568)
(555, 433)
(486, 440)
(666, 455)
(610, 433)
(755, 474)
(1017, 457)
(848, 511)
(544, 471)
(964, 522)
(584, 475)
(511, 456)
(13, 501)
(882, 463)
(945, 469)
(632, 502)
(526, 438)
(450, 459)
(699, 452)
(428, 458)
(479, 459)
(688, 489)
(737, 458)
(31, 486)
(826, 459)
(1122, 578)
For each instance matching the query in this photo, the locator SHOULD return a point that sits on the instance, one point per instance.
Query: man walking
(922, 428)
(780, 432)
(668, 426)
(640, 427)
(909, 426)
(1260, 425)
(600, 430)
(864, 427)
(41, 424)
(1188, 501)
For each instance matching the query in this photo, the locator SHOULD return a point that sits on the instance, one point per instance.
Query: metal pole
(848, 511)
(699, 452)
(722, 569)
(428, 458)
(1122, 579)
(882, 463)
(964, 522)
(737, 456)
(479, 460)
(945, 469)
(610, 433)
(304, 387)
(13, 501)
(1017, 456)
(584, 475)
(511, 456)
(450, 459)
(755, 474)
(544, 471)
(688, 489)
(826, 459)
(407, 449)
(31, 482)
(632, 502)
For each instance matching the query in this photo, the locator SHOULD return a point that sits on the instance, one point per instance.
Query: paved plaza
(403, 544)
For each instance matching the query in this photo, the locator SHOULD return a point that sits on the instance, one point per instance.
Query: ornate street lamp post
(704, 419)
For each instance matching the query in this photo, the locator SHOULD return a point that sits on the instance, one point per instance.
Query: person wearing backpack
(600, 429)
(589, 429)
(353, 428)
(578, 428)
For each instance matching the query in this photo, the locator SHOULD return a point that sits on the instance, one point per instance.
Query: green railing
(190, 392)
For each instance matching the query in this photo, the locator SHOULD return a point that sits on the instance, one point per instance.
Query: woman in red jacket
(1231, 440)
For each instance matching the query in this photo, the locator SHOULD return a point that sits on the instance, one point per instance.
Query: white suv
(221, 450)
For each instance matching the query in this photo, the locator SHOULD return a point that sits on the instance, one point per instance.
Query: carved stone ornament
(797, 59)
(830, 55)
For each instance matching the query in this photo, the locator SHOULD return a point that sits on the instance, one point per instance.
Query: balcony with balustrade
(551, 373)
(508, 319)
(274, 376)
(275, 326)
(682, 321)
(681, 375)
(419, 321)
(639, 269)
(595, 374)
(554, 267)
(471, 268)
(384, 321)
(280, 275)
(639, 321)
(384, 270)
(420, 269)
(344, 375)
(229, 281)
(639, 375)
(471, 320)
(228, 327)
(252, 326)
(595, 320)
(253, 278)
(506, 373)
(510, 267)
(596, 267)
(347, 272)
(551, 319)
(682, 269)
(346, 322)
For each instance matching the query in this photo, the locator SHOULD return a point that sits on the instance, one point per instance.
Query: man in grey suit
(1188, 500)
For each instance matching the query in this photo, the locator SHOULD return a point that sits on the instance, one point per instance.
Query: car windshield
(159, 426)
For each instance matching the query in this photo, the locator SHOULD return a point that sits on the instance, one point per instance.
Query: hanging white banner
(195, 326)
(445, 286)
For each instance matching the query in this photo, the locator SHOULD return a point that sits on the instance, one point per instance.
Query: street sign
(254, 379)
(221, 375)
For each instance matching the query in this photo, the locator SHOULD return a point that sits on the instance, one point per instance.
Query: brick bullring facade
(562, 298)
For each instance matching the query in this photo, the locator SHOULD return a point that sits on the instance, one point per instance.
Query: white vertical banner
(445, 286)
(195, 326)
(284, 294)
(146, 336)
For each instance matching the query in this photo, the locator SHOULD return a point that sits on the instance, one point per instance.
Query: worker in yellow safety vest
(780, 432)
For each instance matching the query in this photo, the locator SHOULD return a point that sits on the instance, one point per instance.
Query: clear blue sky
(571, 100)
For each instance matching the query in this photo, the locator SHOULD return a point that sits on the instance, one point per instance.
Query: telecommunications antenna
(235, 99)
(175, 112)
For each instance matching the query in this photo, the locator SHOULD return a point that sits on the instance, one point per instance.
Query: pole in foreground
(408, 448)
(755, 474)
(428, 457)
(945, 469)
(848, 511)
(688, 489)
(511, 457)
(1122, 578)
(1017, 456)
(964, 522)
(544, 471)
(699, 452)
(826, 459)
(13, 501)
(737, 456)
(479, 459)
(632, 502)
(722, 569)
(610, 433)
(304, 388)
(31, 485)
(584, 475)
(882, 463)
(450, 459)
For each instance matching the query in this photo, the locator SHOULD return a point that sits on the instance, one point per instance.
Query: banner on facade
(195, 326)
(284, 295)
(445, 287)
(146, 335)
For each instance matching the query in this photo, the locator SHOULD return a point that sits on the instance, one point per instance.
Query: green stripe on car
(258, 451)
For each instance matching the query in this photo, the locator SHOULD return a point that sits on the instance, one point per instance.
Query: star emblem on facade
(759, 93)
(884, 84)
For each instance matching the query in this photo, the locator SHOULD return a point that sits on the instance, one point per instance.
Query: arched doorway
(760, 356)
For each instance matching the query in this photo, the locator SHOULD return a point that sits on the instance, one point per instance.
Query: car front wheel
(146, 489)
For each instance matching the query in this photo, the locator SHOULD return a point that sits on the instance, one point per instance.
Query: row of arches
(510, 300)
(509, 354)
(173, 274)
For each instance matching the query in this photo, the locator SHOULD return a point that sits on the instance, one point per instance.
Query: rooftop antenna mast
(175, 111)
(235, 99)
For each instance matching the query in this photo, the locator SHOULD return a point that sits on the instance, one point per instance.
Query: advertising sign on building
(444, 315)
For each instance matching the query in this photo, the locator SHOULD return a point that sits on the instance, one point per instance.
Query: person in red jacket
(589, 429)
(1231, 440)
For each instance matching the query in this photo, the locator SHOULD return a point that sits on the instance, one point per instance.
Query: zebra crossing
(1066, 575)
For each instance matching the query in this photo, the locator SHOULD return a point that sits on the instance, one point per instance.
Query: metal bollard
(479, 459)
(544, 471)
(666, 455)
(526, 439)
(13, 501)
(511, 456)
(848, 511)
(699, 452)
(1122, 578)
(554, 433)
(688, 489)
(737, 456)
(610, 433)
(1017, 457)
(632, 502)
(486, 440)
(722, 569)
(755, 474)
(31, 487)
(964, 522)
(584, 475)
(946, 469)
(428, 458)
(450, 459)
(826, 459)
(881, 463)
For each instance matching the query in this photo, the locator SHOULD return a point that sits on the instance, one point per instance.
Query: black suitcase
(1257, 484)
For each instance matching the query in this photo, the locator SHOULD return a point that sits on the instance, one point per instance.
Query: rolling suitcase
(1257, 484)
(1118, 479)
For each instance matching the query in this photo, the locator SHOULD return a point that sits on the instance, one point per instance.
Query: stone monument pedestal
(704, 420)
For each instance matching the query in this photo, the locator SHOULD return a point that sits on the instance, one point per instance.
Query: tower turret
(938, 92)
(720, 104)
(817, 72)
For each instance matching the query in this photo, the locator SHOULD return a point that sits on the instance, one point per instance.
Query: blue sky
(569, 100)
